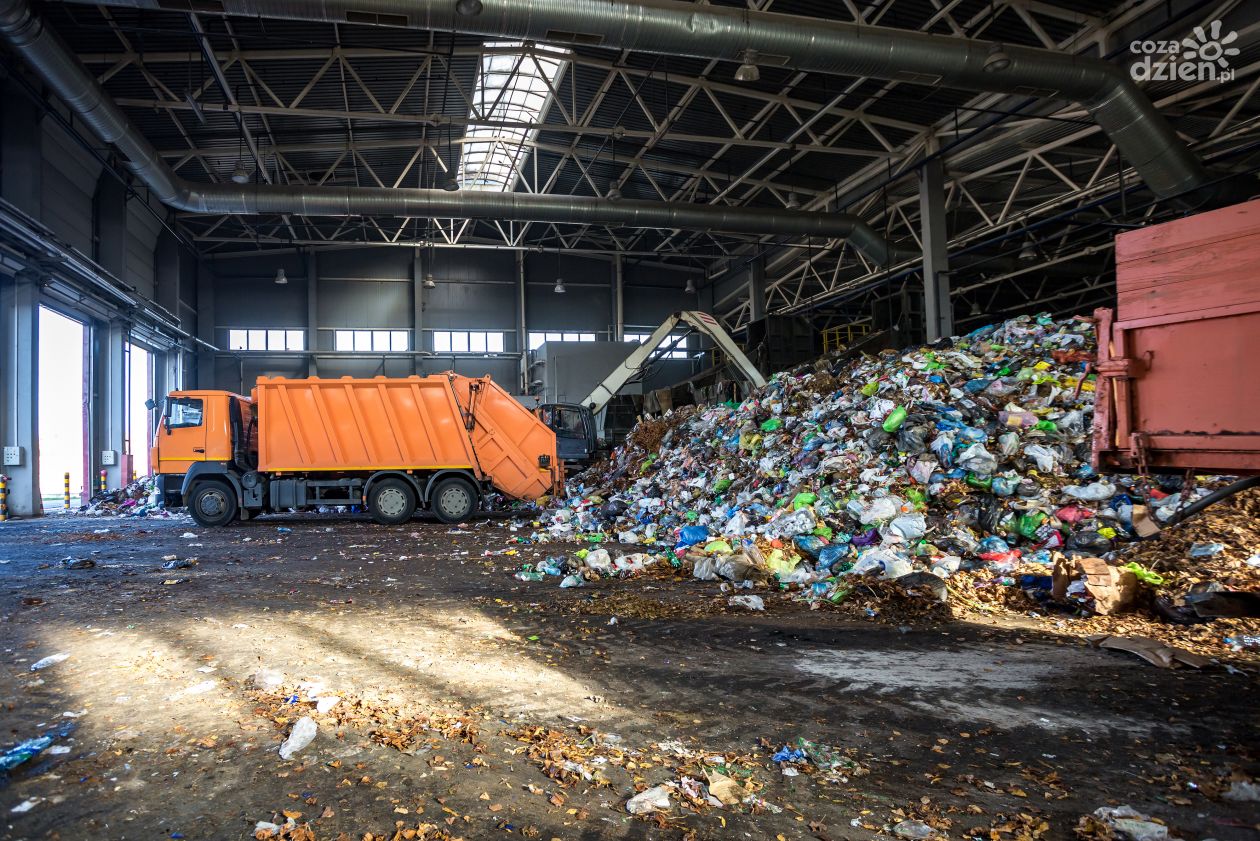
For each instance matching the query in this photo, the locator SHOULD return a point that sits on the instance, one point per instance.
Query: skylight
(513, 87)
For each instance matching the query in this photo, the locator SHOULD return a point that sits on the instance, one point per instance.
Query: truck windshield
(183, 411)
(568, 422)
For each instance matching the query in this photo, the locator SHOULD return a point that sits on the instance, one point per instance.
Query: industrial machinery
(574, 423)
(439, 443)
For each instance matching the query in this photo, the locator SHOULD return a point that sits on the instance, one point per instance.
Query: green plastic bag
(1028, 524)
(824, 531)
(803, 499)
(1046, 426)
(721, 485)
(895, 419)
(870, 388)
(718, 547)
(1144, 575)
(771, 425)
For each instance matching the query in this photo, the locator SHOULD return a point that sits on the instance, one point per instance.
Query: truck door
(574, 428)
(181, 438)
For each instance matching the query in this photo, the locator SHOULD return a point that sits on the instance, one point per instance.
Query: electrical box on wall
(13, 456)
(109, 458)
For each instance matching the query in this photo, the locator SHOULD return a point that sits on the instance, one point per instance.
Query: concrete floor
(444, 664)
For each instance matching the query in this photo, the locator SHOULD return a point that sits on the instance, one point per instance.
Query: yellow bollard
(65, 486)
(103, 487)
(4, 497)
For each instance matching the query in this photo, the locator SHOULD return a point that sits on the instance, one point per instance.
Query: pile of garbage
(966, 460)
(138, 499)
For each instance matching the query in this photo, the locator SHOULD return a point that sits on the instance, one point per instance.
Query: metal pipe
(64, 74)
(671, 27)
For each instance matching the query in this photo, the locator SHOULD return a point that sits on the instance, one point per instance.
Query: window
(567, 423)
(536, 340)
(679, 352)
(269, 339)
(371, 341)
(512, 88)
(468, 341)
(183, 411)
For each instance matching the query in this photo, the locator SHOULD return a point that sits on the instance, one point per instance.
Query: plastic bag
(978, 460)
(1045, 457)
(750, 602)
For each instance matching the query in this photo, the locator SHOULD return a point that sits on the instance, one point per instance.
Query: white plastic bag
(653, 800)
(750, 602)
(302, 734)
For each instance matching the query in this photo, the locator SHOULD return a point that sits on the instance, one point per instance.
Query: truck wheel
(392, 501)
(212, 504)
(453, 500)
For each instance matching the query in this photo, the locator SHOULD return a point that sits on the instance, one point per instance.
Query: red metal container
(1177, 360)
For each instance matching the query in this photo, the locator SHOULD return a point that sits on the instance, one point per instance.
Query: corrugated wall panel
(142, 233)
(69, 180)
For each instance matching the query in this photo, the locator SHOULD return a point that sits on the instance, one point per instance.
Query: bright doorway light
(139, 389)
(62, 409)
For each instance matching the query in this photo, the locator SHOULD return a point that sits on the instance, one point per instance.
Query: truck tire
(391, 501)
(212, 504)
(454, 500)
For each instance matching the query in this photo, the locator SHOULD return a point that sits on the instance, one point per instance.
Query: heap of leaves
(562, 758)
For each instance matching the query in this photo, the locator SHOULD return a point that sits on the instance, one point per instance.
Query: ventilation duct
(727, 33)
(65, 75)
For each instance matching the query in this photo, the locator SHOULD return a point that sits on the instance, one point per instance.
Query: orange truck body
(409, 424)
(439, 443)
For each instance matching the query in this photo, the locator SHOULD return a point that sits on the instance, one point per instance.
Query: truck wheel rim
(213, 503)
(454, 501)
(391, 502)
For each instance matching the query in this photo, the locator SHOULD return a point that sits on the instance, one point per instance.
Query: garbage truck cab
(577, 440)
(205, 442)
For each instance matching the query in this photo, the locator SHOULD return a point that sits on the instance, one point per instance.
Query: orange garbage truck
(440, 443)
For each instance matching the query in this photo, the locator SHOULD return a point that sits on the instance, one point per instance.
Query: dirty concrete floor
(463, 689)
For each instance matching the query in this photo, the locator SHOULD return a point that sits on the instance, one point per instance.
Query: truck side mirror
(150, 404)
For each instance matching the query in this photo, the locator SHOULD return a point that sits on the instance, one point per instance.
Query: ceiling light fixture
(1028, 252)
(450, 185)
(691, 286)
(429, 282)
(559, 286)
(281, 278)
(468, 8)
(997, 60)
(793, 203)
(748, 71)
(613, 193)
(240, 174)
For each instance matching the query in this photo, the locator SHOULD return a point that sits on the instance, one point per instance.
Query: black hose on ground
(1212, 498)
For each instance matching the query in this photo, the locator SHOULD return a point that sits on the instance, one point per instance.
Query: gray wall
(376, 287)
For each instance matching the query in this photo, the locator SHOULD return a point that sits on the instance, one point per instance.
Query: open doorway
(62, 409)
(139, 389)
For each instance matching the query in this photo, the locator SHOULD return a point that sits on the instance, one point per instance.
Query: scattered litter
(50, 660)
(1152, 651)
(302, 734)
(653, 800)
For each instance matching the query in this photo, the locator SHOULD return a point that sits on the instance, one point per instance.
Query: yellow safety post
(4, 497)
(65, 487)
(103, 488)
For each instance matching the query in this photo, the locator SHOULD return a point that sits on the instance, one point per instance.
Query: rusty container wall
(411, 423)
(1177, 359)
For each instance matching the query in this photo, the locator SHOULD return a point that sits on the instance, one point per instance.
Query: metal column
(19, 382)
(757, 289)
(522, 323)
(312, 314)
(938, 313)
(618, 299)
